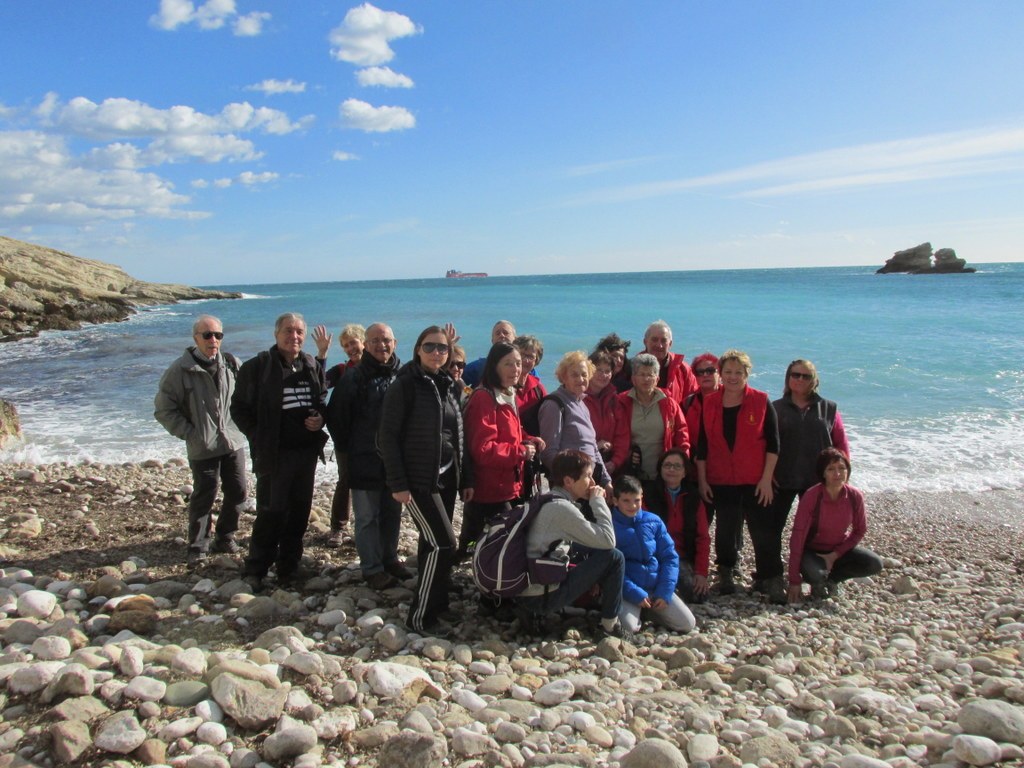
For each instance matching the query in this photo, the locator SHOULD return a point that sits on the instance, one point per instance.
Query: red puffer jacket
(495, 439)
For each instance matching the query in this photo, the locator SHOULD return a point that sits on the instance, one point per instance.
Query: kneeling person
(560, 520)
(652, 563)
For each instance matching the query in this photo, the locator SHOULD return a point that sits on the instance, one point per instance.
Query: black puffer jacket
(410, 431)
(353, 416)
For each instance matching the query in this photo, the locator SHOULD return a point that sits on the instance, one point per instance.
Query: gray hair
(205, 319)
(647, 360)
(661, 324)
(279, 323)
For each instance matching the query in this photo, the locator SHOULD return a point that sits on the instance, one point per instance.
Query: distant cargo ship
(456, 273)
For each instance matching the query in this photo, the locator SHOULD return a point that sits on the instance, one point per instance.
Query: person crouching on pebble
(652, 564)
(830, 522)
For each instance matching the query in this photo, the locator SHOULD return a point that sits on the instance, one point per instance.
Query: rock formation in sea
(10, 426)
(45, 289)
(918, 261)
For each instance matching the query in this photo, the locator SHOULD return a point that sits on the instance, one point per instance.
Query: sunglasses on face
(461, 365)
(705, 371)
(804, 376)
(207, 335)
(430, 347)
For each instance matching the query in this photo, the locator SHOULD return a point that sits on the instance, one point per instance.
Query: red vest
(744, 464)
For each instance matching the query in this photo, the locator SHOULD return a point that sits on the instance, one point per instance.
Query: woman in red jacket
(496, 441)
(602, 401)
(654, 420)
(830, 523)
(736, 455)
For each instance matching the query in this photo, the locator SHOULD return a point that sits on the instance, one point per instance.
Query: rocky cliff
(918, 261)
(42, 289)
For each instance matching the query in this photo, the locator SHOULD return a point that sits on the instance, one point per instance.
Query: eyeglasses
(798, 375)
(460, 364)
(705, 371)
(385, 342)
(672, 465)
(207, 335)
(431, 347)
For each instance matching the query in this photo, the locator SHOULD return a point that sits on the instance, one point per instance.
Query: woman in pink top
(830, 523)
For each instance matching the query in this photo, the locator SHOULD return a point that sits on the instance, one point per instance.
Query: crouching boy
(652, 563)
(561, 521)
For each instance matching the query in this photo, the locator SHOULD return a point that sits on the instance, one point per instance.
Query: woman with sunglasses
(705, 369)
(456, 367)
(808, 423)
(421, 442)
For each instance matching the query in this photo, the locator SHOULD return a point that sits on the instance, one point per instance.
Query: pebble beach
(113, 653)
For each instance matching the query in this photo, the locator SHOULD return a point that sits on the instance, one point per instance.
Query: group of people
(674, 448)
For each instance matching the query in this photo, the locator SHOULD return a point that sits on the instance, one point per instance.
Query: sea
(928, 370)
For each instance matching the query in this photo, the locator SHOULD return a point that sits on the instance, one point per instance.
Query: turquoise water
(928, 370)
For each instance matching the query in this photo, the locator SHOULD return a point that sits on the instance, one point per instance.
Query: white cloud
(362, 37)
(249, 178)
(41, 182)
(273, 87)
(365, 117)
(119, 117)
(343, 156)
(925, 158)
(213, 14)
(246, 178)
(207, 148)
(251, 24)
(383, 76)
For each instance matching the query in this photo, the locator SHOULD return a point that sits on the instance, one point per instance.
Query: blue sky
(238, 141)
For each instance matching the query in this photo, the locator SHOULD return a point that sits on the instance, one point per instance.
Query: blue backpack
(501, 567)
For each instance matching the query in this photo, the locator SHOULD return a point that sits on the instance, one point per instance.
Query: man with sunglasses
(193, 403)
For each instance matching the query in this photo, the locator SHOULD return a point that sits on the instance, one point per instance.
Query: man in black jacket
(353, 416)
(279, 404)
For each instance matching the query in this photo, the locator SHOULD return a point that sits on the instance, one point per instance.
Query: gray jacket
(561, 520)
(189, 406)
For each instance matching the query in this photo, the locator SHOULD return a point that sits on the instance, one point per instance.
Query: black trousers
(735, 504)
(475, 516)
(854, 564)
(228, 472)
(284, 498)
(431, 513)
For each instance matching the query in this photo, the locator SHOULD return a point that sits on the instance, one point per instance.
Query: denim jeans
(605, 567)
(378, 521)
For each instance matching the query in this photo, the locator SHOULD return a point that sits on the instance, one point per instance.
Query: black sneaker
(618, 631)
(226, 545)
(530, 623)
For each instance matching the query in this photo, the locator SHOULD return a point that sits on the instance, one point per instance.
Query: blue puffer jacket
(652, 564)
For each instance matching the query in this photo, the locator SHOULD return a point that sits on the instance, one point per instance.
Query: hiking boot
(382, 580)
(336, 538)
(226, 545)
(834, 588)
(775, 590)
(255, 583)
(820, 591)
(726, 581)
(618, 631)
(196, 557)
(398, 570)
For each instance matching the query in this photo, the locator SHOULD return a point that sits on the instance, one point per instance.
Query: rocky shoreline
(44, 289)
(115, 654)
